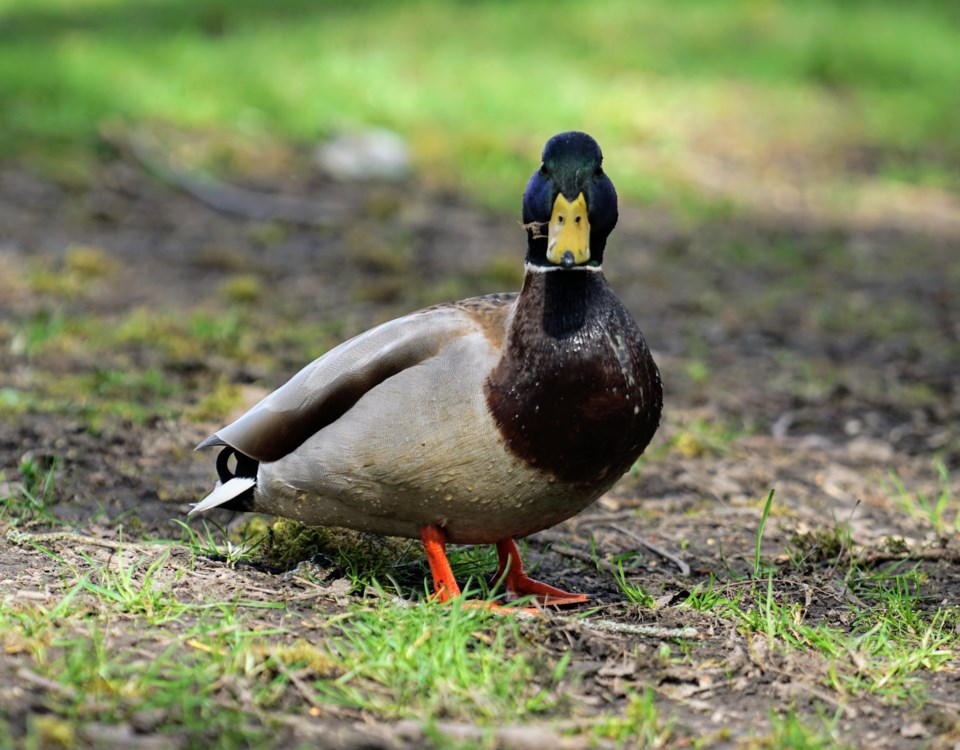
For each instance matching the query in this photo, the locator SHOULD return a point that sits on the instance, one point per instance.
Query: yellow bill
(569, 232)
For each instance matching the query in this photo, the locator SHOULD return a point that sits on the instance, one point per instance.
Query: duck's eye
(543, 170)
(598, 173)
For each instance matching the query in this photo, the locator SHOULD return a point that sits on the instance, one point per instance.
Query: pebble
(373, 154)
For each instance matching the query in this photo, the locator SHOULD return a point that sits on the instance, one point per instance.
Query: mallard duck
(472, 422)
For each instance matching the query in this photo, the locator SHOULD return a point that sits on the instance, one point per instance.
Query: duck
(474, 422)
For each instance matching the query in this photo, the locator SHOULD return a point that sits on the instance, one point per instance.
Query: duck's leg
(434, 544)
(510, 569)
(445, 585)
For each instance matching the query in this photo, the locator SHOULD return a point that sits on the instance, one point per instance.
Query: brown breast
(577, 393)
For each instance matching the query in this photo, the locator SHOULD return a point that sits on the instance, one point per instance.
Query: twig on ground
(24, 539)
(410, 733)
(557, 542)
(873, 557)
(509, 737)
(52, 686)
(599, 519)
(655, 549)
(554, 538)
(228, 199)
(306, 692)
(654, 631)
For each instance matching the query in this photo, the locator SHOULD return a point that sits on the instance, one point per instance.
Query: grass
(794, 732)
(666, 82)
(206, 541)
(101, 674)
(888, 649)
(131, 590)
(634, 593)
(30, 500)
(934, 510)
(881, 646)
(128, 636)
(757, 564)
(641, 722)
(144, 362)
(702, 437)
(439, 661)
(184, 659)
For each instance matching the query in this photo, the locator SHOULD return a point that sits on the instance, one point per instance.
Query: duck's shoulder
(490, 313)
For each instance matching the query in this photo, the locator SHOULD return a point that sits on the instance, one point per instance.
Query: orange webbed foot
(510, 570)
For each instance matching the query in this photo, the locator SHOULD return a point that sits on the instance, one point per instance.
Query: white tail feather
(223, 493)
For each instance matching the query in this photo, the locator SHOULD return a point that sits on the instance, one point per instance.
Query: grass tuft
(635, 593)
(934, 510)
(796, 733)
(438, 660)
(363, 558)
(640, 723)
(757, 565)
(30, 500)
(238, 547)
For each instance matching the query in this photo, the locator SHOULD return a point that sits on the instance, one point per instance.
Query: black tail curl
(246, 467)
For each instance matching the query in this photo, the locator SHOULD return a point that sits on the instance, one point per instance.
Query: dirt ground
(798, 354)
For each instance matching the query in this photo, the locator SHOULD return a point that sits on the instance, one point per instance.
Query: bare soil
(811, 358)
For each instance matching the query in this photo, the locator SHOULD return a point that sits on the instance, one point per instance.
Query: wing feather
(329, 386)
(223, 493)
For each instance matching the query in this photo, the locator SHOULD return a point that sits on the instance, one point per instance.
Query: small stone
(374, 154)
(869, 449)
(913, 730)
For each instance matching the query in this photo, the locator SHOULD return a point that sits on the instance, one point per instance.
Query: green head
(570, 205)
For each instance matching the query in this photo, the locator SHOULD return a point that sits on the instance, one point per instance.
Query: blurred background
(837, 108)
